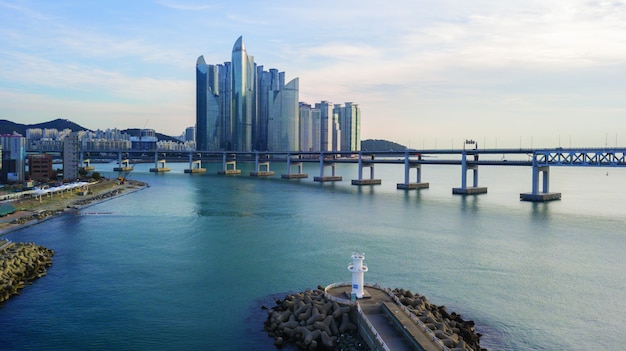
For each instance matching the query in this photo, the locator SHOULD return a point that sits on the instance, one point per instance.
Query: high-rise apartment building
(326, 125)
(349, 118)
(13, 158)
(190, 134)
(71, 155)
(241, 107)
(306, 127)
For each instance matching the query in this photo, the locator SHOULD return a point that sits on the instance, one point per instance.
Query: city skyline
(432, 75)
(241, 106)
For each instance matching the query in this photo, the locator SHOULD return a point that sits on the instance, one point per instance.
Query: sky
(426, 74)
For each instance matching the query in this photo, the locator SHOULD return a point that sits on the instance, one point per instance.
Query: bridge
(468, 159)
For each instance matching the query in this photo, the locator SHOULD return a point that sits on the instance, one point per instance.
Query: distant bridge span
(469, 159)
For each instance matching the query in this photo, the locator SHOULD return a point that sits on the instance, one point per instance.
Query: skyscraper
(326, 125)
(283, 125)
(241, 107)
(243, 97)
(202, 128)
(307, 136)
(349, 117)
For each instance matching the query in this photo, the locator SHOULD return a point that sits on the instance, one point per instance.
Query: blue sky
(425, 73)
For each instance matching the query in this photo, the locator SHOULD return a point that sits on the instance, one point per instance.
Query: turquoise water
(187, 263)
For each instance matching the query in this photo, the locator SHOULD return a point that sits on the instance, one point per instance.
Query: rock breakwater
(20, 264)
(321, 320)
(99, 197)
(455, 332)
(312, 322)
(40, 215)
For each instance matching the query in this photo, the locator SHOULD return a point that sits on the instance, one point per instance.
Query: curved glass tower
(243, 98)
(207, 107)
(283, 125)
(202, 123)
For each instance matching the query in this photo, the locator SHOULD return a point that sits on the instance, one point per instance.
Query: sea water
(187, 263)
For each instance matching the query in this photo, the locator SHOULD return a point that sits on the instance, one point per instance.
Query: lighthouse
(357, 268)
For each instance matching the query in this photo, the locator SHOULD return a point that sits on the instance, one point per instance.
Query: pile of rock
(308, 320)
(21, 263)
(98, 197)
(450, 328)
(40, 215)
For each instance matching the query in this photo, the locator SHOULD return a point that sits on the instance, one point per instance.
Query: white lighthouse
(357, 268)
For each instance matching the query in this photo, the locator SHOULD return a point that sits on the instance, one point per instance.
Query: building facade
(349, 119)
(71, 157)
(326, 125)
(40, 167)
(13, 158)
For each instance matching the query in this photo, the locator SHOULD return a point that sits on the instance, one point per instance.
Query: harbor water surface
(187, 263)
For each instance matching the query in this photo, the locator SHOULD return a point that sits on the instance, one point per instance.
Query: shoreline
(36, 212)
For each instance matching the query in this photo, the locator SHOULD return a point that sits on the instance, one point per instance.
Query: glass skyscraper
(241, 107)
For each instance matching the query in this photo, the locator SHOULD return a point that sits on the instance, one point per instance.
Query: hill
(8, 127)
(381, 145)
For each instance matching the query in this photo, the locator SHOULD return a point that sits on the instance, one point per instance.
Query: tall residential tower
(241, 107)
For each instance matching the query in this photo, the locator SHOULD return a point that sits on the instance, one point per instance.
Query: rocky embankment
(311, 322)
(36, 216)
(455, 332)
(99, 197)
(20, 264)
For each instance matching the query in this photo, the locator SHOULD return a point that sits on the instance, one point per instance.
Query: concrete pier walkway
(388, 320)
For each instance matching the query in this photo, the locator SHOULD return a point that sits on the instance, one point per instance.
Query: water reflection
(469, 203)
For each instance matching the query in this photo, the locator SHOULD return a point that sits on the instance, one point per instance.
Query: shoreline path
(32, 211)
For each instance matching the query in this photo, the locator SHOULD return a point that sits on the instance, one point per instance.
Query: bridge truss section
(580, 157)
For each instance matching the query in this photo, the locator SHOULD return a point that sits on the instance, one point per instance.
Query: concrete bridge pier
(298, 164)
(331, 164)
(258, 165)
(362, 181)
(464, 189)
(159, 165)
(194, 166)
(407, 185)
(229, 167)
(543, 173)
(123, 164)
(87, 165)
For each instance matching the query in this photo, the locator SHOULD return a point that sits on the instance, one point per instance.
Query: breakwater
(449, 327)
(20, 264)
(312, 322)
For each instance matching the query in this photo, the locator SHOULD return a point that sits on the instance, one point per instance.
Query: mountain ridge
(9, 127)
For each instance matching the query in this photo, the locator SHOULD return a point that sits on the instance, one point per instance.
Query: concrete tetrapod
(21, 263)
(309, 321)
